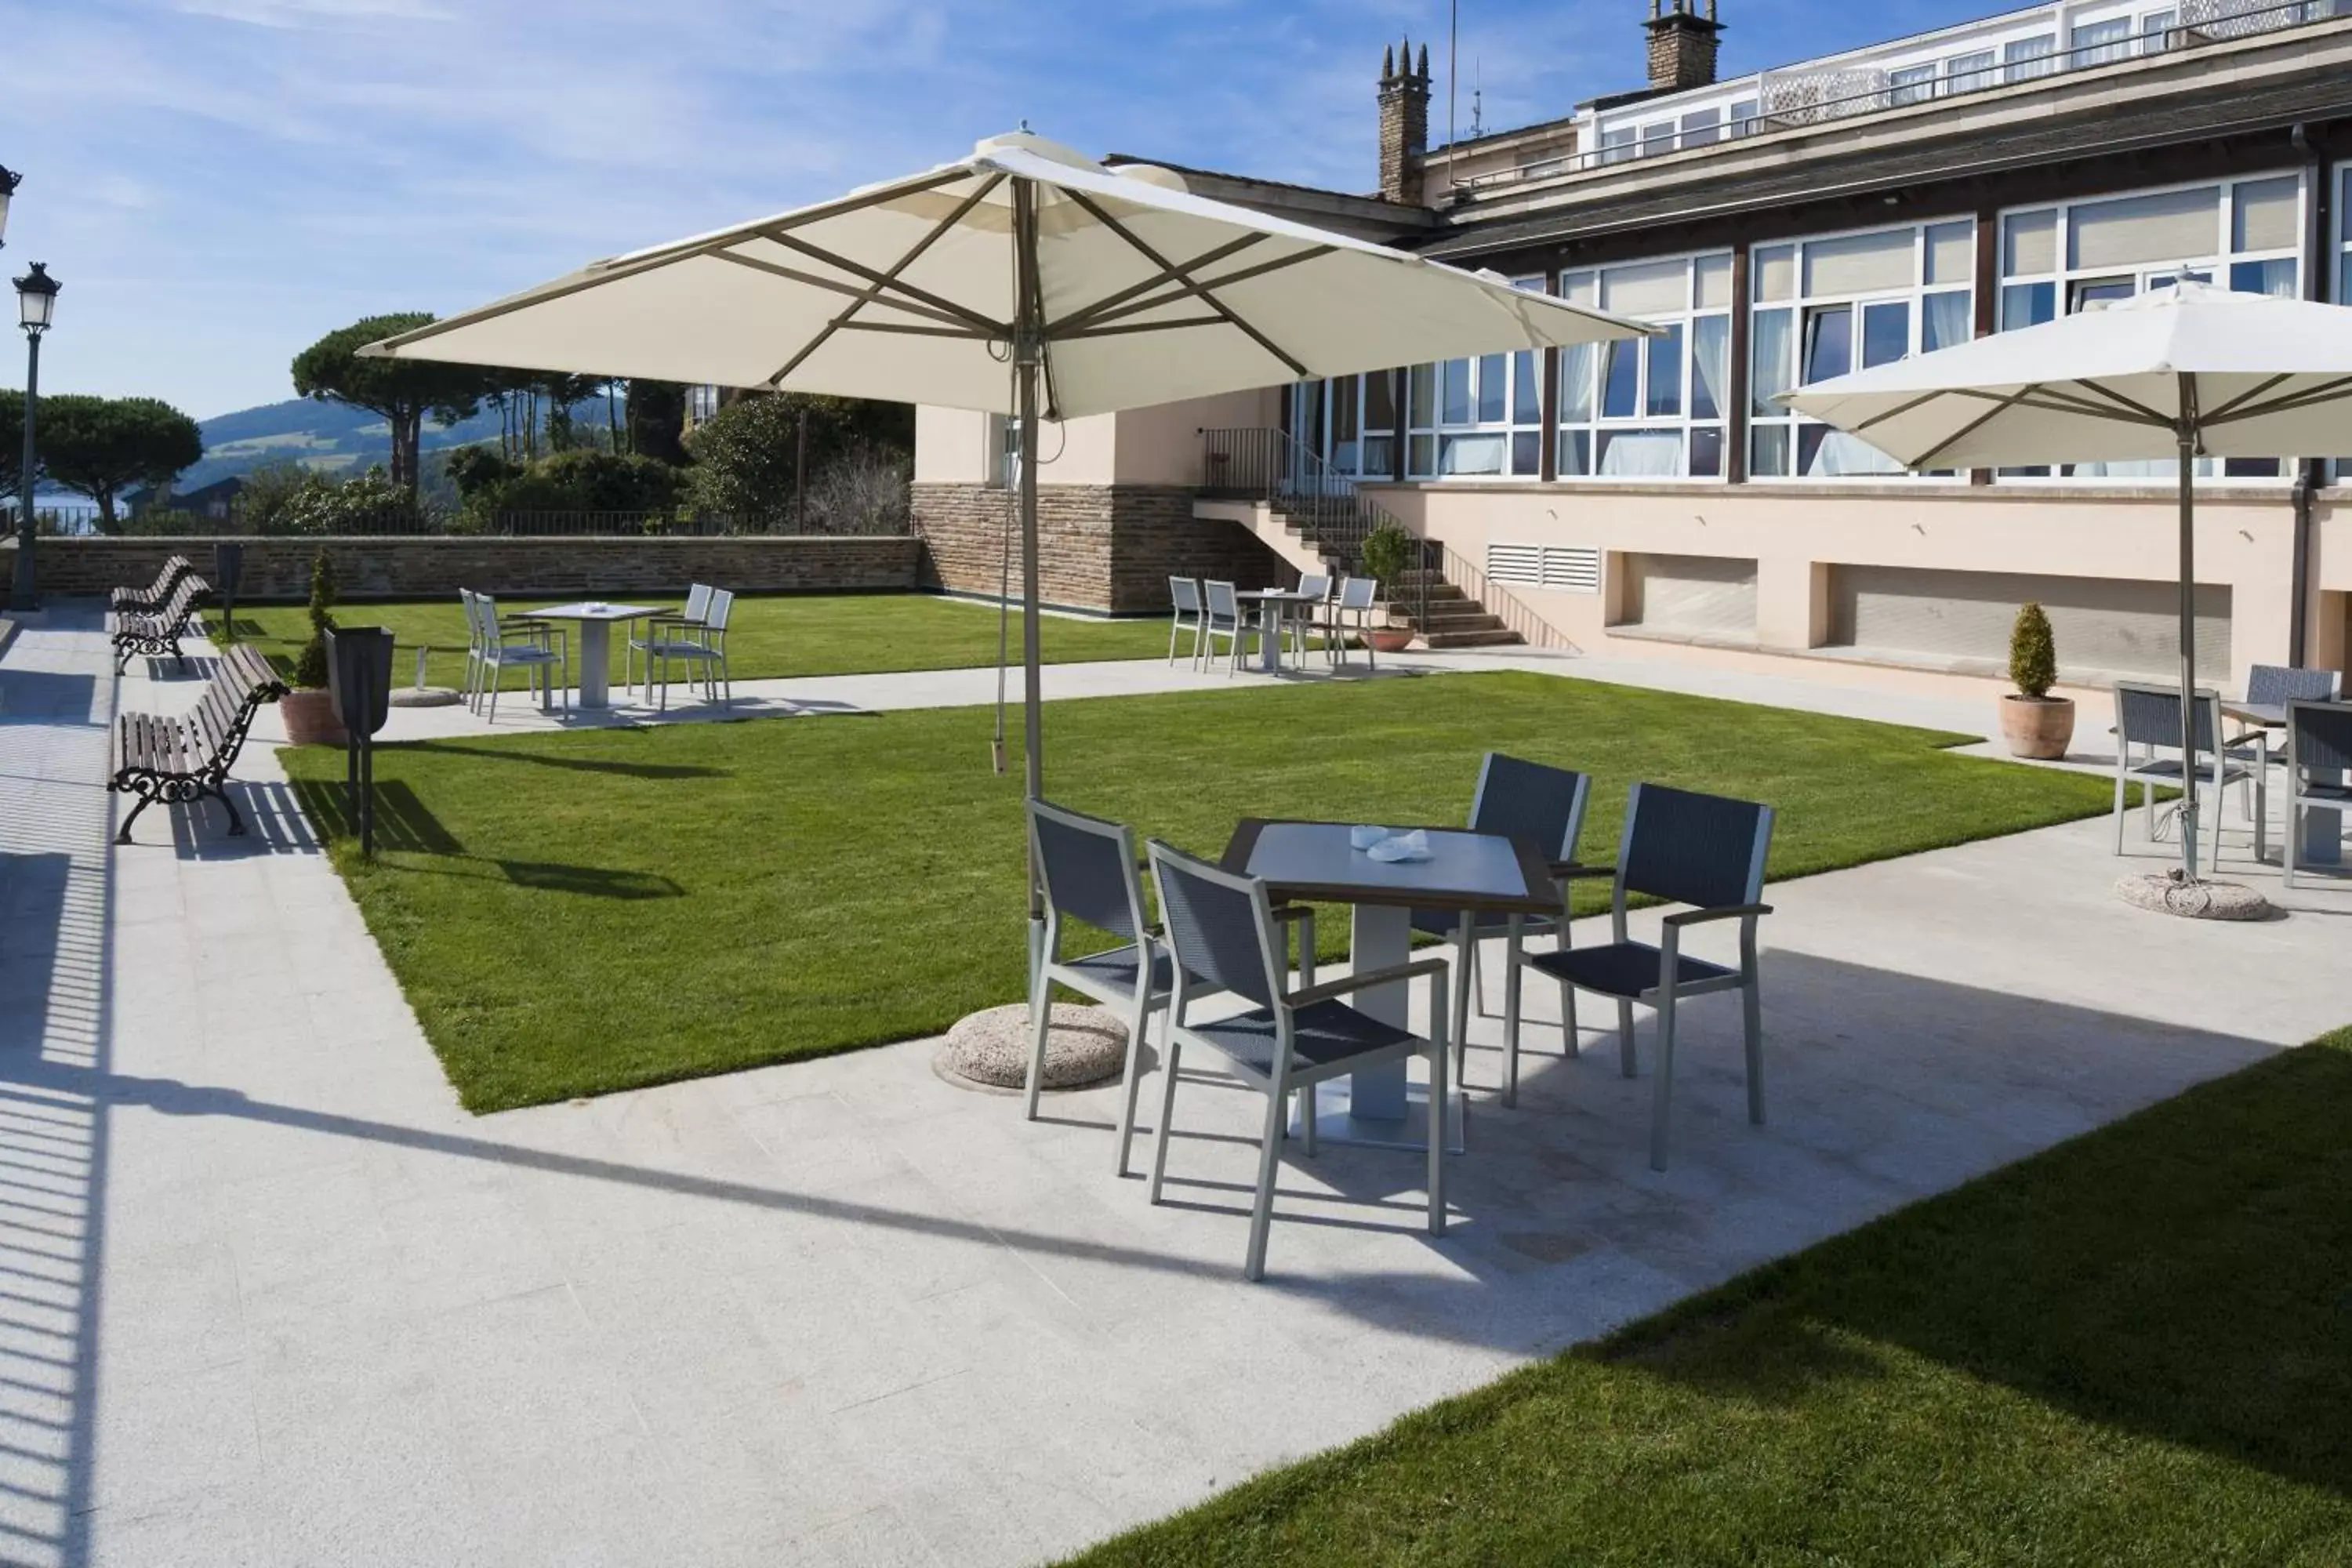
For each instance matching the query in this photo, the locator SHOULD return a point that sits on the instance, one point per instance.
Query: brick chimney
(1682, 45)
(1404, 123)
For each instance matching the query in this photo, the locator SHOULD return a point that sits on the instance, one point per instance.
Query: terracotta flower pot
(308, 714)
(2037, 727)
(1389, 639)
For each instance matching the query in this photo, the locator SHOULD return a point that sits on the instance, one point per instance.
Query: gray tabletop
(593, 610)
(1314, 861)
(2269, 715)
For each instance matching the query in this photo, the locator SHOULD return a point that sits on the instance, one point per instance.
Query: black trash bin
(359, 683)
(228, 567)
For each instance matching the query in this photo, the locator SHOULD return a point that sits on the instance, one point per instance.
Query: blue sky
(218, 181)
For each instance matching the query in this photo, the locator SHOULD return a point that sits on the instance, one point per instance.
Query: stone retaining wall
(425, 568)
(1101, 547)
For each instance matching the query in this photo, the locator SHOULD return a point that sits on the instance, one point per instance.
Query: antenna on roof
(1453, 80)
(1477, 97)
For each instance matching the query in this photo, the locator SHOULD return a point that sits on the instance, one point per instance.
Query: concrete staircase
(1451, 618)
(1442, 616)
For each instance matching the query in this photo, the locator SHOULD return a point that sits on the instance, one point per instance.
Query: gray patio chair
(1185, 598)
(1543, 806)
(1224, 620)
(1222, 931)
(1351, 616)
(2149, 717)
(2318, 760)
(701, 649)
(2275, 685)
(1088, 869)
(1684, 848)
(1305, 613)
(541, 651)
(689, 619)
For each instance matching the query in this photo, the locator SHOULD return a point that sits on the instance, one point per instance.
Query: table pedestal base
(1335, 1123)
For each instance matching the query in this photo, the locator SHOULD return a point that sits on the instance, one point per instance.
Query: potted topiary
(308, 710)
(1386, 550)
(2035, 723)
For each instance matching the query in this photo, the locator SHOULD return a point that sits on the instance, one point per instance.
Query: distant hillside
(325, 436)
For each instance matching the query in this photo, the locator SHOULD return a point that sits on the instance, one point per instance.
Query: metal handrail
(1515, 612)
(1805, 103)
(1263, 464)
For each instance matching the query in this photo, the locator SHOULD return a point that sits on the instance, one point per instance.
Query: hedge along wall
(378, 568)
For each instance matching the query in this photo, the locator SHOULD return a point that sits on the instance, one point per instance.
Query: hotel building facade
(1650, 497)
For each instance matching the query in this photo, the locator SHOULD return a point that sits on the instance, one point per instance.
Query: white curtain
(1711, 365)
(1641, 454)
(1770, 353)
(1842, 452)
(1472, 454)
(1576, 383)
(1943, 321)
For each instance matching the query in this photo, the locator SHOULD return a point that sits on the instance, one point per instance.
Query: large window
(2079, 256)
(1349, 422)
(1476, 419)
(1650, 408)
(1845, 302)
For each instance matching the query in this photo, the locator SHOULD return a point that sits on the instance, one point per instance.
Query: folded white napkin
(597, 606)
(1365, 837)
(1405, 847)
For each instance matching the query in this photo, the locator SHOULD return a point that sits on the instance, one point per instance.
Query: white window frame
(1431, 439)
(2214, 265)
(1800, 303)
(1682, 422)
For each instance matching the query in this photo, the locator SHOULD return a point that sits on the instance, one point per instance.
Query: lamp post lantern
(36, 307)
(8, 184)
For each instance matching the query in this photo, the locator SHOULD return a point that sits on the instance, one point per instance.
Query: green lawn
(2136, 1349)
(771, 636)
(577, 913)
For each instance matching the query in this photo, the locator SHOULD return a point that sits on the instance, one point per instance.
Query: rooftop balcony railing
(1806, 95)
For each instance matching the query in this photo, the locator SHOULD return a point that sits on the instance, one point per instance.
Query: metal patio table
(2323, 834)
(1471, 873)
(596, 620)
(1273, 609)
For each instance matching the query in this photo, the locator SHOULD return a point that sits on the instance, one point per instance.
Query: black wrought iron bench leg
(219, 791)
(122, 834)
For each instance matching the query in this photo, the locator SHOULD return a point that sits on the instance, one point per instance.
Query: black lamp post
(36, 306)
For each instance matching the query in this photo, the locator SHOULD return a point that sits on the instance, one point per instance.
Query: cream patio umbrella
(1025, 279)
(2184, 372)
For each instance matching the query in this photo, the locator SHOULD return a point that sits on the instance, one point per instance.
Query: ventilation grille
(1564, 568)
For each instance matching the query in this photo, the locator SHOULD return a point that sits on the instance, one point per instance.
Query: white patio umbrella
(2185, 372)
(1026, 278)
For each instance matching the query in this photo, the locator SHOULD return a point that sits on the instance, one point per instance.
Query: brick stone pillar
(1404, 124)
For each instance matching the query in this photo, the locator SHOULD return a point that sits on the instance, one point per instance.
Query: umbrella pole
(1028, 357)
(2189, 442)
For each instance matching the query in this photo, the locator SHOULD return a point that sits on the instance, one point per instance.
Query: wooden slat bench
(180, 759)
(159, 631)
(152, 598)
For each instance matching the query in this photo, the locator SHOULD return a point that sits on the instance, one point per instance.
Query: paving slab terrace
(273, 1298)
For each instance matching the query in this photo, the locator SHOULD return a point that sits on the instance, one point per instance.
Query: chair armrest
(1341, 987)
(1572, 871)
(1700, 916)
(1290, 913)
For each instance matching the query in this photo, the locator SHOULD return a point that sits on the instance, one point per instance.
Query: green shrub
(1387, 549)
(2032, 653)
(311, 667)
(473, 470)
(582, 479)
